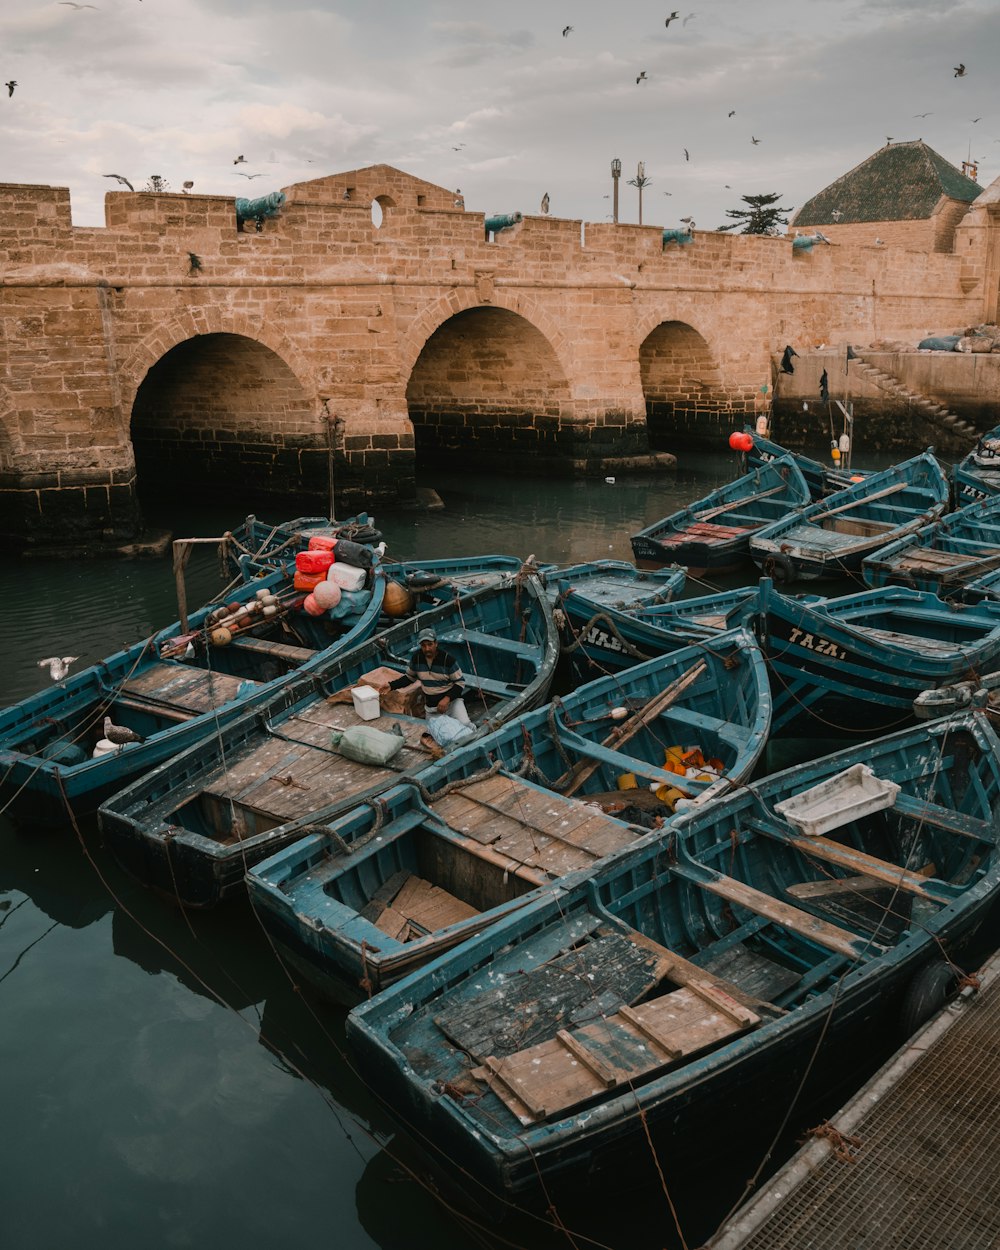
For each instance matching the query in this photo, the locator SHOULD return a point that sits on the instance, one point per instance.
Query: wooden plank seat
(181, 687)
(489, 685)
(829, 936)
(709, 530)
(880, 870)
(284, 651)
(475, 637)
(944, 818)
(418, 907)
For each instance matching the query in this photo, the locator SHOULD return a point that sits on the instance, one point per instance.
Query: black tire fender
(928, 991)
(779, 568)
(420, 580)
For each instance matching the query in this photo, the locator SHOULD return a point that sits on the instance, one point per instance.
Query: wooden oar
(736, 503)
(629, 728)
(856, 503)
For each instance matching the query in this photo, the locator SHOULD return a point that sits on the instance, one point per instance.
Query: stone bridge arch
(488, 379)
(682, 382)
(223, 401)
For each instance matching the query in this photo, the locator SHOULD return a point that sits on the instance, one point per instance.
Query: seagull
(923, 114)
(642, 75)
(10, 87)
(836, 214)
(688, 18)
(240, 174)
(975, 119)
(665, 193)
(566, 30)
(672, 18)
(124, 181)
(186, 186)
(820, 237)
(545, 202)
(120, 734)
(689, 222)
(70, 5)
(240, 160)
(754, 140)
(731, 113)
(960, 70)
(878, 242)
(58, 666)
(888, 138)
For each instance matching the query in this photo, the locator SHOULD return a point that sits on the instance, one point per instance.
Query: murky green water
(162, 1080)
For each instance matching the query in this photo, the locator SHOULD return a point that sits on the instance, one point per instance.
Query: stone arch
(223, 409)
(488, 385)
(681, 380)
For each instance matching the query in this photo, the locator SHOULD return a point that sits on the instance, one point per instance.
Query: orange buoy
(397, 601)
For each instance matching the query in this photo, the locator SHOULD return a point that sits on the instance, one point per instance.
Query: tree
(761, 217)
(156, 182)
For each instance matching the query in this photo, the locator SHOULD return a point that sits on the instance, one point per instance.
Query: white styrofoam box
(346, 576)
(366, 702)
(854, 792)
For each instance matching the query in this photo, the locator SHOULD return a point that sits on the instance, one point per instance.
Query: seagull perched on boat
(120, 734)
(960, 70)
(58, 665)
(124, 181)
(10, 87)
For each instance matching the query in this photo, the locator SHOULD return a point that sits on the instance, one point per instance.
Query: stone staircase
(938, 414)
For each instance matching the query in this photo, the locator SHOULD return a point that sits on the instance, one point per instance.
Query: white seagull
(120, 734)
(58, 665)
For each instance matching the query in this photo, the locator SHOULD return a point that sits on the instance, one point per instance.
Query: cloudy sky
(493, 99)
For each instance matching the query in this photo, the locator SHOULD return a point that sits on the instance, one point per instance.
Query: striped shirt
(437, 678)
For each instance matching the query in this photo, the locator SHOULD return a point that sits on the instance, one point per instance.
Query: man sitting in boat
(439, 676)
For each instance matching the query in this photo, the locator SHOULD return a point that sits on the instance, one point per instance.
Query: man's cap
(427, 635)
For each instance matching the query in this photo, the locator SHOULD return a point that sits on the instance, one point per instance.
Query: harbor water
(163, 1079)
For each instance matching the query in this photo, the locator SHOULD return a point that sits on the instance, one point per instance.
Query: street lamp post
(640, 180)
(616, 173)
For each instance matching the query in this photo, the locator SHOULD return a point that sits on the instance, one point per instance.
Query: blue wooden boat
(613, 583)
(632, 1014)
(855, 664)
(976, 478)
(267, 545)
(368, 897)
(830, 538)
(438, 580)
(957, 557)
(190, 828)
(606, 639)
(821, 479)
(172, 690)
(712, 535)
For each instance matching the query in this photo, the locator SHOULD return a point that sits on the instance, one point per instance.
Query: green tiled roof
(900, 182)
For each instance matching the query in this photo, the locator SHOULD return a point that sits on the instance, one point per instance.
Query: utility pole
(616, 173)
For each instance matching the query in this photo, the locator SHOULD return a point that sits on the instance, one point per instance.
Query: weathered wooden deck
(913, 1160)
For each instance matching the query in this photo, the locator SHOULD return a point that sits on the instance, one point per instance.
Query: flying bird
(240, 160)
(923, 114)
(888, 138)
(240, 174)
(545, 202)
(688, 18)
(10, 87)
(124, 181)
(754, 140)
(58, 665)
(70, 5)
(687, 155)
(975, 119)
(731, 113)
(120, 734)
(642, 75)
(665, 193)
(566, 30)
(960, 70)
(672, 18)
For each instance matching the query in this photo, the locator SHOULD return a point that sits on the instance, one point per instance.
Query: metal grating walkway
(926, 1172)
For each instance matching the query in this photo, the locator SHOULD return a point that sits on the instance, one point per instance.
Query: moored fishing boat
(614, 583)
(366, 898)
(191, 828)
(168, 692)
(657, 1007)
(268, 545)
(712, 535)
(957, 557)
(976, 478)
(855, 664)
(821, 479)
(830, 538)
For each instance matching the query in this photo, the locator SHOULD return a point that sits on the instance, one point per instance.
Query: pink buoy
(311, 606)
(327, 595)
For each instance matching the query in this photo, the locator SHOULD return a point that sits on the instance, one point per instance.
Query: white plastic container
(366, 702)
(854, 792)
(346, 576)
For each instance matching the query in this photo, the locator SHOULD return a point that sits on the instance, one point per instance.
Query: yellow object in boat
(627, 781)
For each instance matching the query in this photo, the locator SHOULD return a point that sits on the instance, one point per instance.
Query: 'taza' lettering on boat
(598, 638)
(821, 646)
